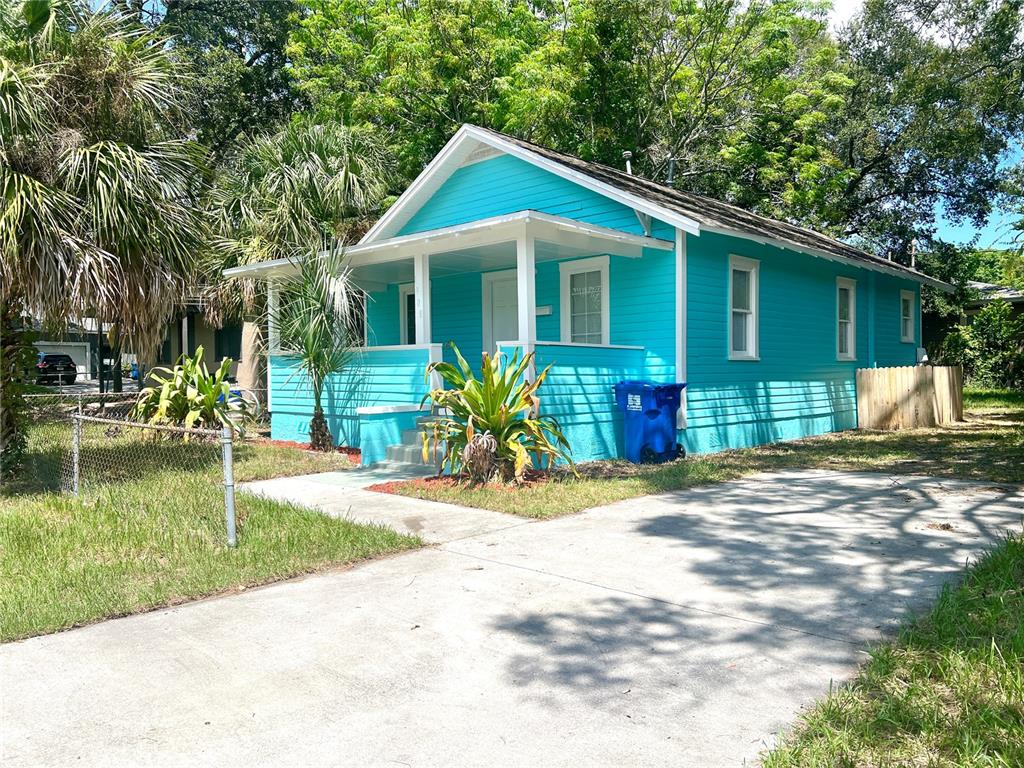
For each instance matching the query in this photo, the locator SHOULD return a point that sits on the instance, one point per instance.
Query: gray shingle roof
(712, 213)
(991, 292)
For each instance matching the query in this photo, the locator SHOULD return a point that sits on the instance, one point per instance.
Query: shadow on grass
(108, 454)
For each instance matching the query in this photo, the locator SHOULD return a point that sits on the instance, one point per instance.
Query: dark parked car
(56, 369)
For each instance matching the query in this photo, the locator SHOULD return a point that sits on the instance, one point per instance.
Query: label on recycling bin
(633, 402)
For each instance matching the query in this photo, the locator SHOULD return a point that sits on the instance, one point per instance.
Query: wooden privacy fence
(911, 396)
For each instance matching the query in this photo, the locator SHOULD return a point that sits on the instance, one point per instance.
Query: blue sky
(996, 232)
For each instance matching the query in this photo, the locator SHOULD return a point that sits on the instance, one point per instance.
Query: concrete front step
(403, 469)
(407, 454)
(411, 437)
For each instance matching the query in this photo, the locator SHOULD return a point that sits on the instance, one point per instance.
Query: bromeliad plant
(491, 428)
(188, 395)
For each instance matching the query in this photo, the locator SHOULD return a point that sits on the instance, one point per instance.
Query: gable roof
(689, 212)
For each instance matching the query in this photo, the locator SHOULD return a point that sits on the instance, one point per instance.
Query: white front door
(500, 310)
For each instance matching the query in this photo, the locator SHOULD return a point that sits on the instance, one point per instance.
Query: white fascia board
(596, 230)
(810, 251)
(272, 268)
(497, 229)
(424, 185)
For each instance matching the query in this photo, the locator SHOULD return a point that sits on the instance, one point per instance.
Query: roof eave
(877, 266)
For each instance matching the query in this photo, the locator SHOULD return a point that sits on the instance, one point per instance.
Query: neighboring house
(76, 341)
(607, 276)
(190, 330)
(989, 292)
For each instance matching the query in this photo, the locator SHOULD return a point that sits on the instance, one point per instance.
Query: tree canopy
(868, 134)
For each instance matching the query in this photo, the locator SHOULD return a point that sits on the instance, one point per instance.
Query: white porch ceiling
(477, 246)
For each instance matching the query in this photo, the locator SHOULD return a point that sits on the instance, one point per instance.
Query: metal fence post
(76, 449)
(229, 483)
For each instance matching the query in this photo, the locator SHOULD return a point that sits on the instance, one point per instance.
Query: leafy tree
(739, 98)
(416, 70)
(236, 48)
(99, 188)
(938, 97)
(990, 347)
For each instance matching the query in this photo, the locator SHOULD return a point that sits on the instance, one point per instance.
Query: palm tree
(300, 189)
(98, 187)
(316, 324)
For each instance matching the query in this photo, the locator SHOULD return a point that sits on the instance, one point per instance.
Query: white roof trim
(265, 269)
(463, 144)
(498, 229)
(776, 242)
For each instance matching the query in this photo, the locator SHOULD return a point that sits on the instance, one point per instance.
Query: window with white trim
(846, 318)
(907, 316)
(743, 309)
(584, 300)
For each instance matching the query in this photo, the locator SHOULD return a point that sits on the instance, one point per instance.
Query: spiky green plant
(188, 395)
(501, 404)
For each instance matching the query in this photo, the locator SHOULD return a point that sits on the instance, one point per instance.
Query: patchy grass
(156, 537)
(978, 399)
(988, 445)
(949, 691)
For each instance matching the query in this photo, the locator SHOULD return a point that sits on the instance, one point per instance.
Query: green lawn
(155, 536)
(989, 445)
(980, 399)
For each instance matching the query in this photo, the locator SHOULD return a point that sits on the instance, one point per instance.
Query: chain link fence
(49, 434)
(83, 444)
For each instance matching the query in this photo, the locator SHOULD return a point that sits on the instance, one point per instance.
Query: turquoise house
(502, 244)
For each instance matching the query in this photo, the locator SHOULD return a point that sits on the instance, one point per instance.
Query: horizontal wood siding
(376, 377)
(890, 350)
(798, 387)
(578, 393)
(457, 315)
(382, 318)
(506, 184)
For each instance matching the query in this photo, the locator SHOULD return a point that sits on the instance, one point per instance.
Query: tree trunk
(100, 369)
(116, 377)
(319, 434)
(251, 371)
(15, 357)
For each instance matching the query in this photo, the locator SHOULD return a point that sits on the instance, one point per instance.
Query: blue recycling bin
(649, 420)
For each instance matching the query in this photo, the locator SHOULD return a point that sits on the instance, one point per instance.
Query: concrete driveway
(681, 629)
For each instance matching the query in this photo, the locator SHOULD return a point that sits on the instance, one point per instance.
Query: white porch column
(681, 323)
(274, 336)
(421, 287)
(526, 284)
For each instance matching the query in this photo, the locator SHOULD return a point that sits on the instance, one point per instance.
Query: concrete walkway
(680, 629)
(343, 494)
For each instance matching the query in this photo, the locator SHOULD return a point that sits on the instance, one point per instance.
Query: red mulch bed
(533, 477)
(352, 453)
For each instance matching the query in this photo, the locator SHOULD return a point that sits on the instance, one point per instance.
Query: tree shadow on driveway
(784, 576)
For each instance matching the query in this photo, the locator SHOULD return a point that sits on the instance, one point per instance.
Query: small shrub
(491, 430)
(189, 395)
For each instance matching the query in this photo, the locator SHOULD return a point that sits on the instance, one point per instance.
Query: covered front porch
(577, 294)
